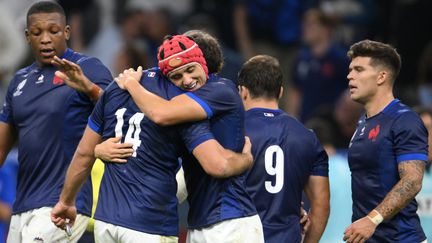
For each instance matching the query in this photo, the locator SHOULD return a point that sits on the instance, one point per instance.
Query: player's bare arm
(76, 175)
(411, 176)
(317, 190)
(7, 140)
(74, 77)
(219, 162)
(162, 112)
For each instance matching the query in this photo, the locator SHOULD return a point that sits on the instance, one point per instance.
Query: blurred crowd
(309, 37)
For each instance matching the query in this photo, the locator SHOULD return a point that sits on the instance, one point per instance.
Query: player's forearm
(5, 212)
(237, 163)
(154, 107)
(76, 175)
(318, 216)
(404, 191)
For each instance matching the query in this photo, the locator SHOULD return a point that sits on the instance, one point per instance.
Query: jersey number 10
(133, 131)
(274, 165)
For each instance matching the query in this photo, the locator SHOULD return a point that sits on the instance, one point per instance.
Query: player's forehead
(360, 62)
(185, 68)
(41, 19)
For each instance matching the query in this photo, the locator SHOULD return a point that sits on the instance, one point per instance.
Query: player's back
(139, 194)
(212, 199)
(285, 155)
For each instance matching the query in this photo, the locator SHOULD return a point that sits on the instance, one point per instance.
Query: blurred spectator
(129, 56)
(232, 59)
(270, 27)
(346, 114)
(8, 175)
(425, 76)
(113, 38)
(320, 68)
(340, 182)
(424, 198)
(12, 48)
(354, 18)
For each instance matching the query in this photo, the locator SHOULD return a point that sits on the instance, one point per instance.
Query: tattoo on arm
(411, 176)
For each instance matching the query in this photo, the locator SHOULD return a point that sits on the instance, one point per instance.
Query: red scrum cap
(177, 51)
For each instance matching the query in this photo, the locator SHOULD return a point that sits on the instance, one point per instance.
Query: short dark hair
(380, 54)
(263, 77)
(210, 47)
(45, 7)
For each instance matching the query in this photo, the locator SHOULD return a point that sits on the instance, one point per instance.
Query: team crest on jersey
(40, 79)
(268, 114)
(373, 133)
(18, 90)
(151, 74)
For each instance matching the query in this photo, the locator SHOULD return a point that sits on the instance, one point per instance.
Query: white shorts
(109, 233)
(36, 226)
(239, 230)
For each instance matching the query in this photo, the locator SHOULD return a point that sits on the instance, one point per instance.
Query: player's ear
(244, 92)
(27, 35)
(67, 32)
(280, 92)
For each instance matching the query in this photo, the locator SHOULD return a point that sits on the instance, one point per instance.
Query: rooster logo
(373, 133)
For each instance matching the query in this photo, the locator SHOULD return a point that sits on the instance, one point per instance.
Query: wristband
(94, 92)
(375, 217)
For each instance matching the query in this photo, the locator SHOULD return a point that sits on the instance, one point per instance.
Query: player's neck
(378, 103)
(260, 103)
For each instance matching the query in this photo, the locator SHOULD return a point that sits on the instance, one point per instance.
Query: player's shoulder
(397, 110)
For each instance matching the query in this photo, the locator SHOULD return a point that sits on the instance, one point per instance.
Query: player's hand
(247, 150)
(61, 213)
(304, 219)
(72, 75)
(127, 76)
(111, 150)
(359, 231)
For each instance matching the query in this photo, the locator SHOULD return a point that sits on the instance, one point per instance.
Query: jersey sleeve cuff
(416, 156)
(204, 105)
(95, 127)
(320, 173)
(199, 141)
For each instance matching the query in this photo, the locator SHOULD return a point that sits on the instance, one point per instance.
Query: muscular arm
(80, 167)
(7, 140)
(411, 176)
(318, 192)
(165, 112)
(219, 162)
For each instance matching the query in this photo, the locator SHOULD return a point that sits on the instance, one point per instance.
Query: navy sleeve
(320, 164)
(98, 73)
(215, 98)
(195, 133)
(96, 119)
(6, 113)
(410, 138)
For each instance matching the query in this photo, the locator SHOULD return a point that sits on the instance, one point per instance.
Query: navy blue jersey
(285, 154)
(141, 194)
(50, 118)
(379, 144)
(212, 199)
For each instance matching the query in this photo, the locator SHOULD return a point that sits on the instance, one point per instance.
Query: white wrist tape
(375, 217)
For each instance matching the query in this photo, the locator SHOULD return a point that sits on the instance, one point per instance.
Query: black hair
(263, 77)
(380, 54)
(45, 7)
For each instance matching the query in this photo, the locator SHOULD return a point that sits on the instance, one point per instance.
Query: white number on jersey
(277, 170)
(134, 129)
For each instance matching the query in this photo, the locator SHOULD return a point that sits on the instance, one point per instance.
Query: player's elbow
(217, 168)
(162, 118)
